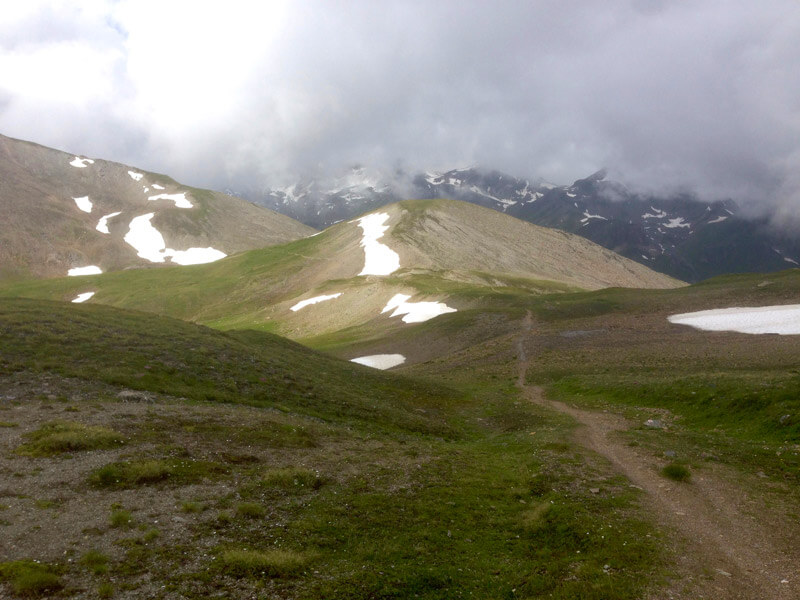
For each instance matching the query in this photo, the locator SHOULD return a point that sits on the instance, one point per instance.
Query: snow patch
(679, 222)
(717, 220)
(783, 319)
(179, 199)
(90, 270)
(102, 224)
(81, 163)
(587, 216)
(656, 214)
(158, 187)
(135, 176)
(149, 244)
(380, 361)
(415, 312)
(572, 195)
(378, 258)
(314, 300)
(506, 203)
(83, 297)
(84, 203)
(791, 260)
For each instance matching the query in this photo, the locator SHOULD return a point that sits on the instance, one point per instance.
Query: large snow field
(83, 297)
(378, 258)
(90, 270)
(314, 300)
(102, 224)
(81, 163)
(150, 245)
(380, 361)
(782, 319)
(84, 204)
(415, 312)
(180, 200)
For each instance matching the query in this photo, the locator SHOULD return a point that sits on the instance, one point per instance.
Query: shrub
(676, 472)
(292, 478)
(95, 561)
(121, 518)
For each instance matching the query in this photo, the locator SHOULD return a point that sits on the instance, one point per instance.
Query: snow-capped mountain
(677, 235)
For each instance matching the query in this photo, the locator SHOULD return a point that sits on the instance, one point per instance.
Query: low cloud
(699, 96)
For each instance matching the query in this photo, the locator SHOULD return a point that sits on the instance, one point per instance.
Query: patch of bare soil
(728, 542)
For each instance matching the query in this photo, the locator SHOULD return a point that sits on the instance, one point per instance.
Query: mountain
(63, 212)
(677, 235)
(400, 265)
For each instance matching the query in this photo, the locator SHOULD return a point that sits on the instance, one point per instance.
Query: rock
(594, 490)
(655, 424)
(134, 396)
(784, 419)
(670, 453)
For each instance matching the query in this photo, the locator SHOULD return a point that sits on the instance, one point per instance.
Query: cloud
(701, 96)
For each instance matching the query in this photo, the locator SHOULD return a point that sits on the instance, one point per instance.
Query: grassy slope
(415, 489)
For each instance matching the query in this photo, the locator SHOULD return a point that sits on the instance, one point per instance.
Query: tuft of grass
(250, 510)
(58, 437)
(95, 561)
(8, 424)
(105, 590)
(134, 473)
(266, 563)
(676, 472)
(192, 507)
(121, 518)
(292, 478)
(30, 578)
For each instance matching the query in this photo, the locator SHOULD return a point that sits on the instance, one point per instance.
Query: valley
(433, 400)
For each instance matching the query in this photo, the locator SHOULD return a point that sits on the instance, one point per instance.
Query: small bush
(676, 472)
(121, 518)
(255, 563)
(95, 561)
(29, 578)
(250, 510)
(58, 437)
(292, 478)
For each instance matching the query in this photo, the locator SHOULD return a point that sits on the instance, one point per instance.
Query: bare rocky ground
(731, 535)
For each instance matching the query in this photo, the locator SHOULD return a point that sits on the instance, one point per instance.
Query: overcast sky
(700, 94)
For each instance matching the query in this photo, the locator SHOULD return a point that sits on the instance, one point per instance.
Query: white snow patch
(83, 297)
(378, 258)
(571, 195)
(791, 260)
(415, 312)
(149, 244)
(90, 270)
(135, 176)
(587, 216)
(81, 163)
(179, 199)
(158, 187)
(380, 361)
(84, 203)
(717, 220)
(656, 214)
(314, 300)
(782, 319)
(679, 222)
(145, 188)
(506, 203)
(102, 224)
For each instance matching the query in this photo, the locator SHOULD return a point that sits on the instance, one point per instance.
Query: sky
(702, 96)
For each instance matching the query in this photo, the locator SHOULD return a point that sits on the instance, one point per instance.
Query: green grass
(95, 561)
(58, 437)
(121, 518)
(128, 474)
(292, 478)
(30, 578)
(261, 563)
(250, 510)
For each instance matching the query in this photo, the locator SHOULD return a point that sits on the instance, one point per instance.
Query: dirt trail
(731, 546)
